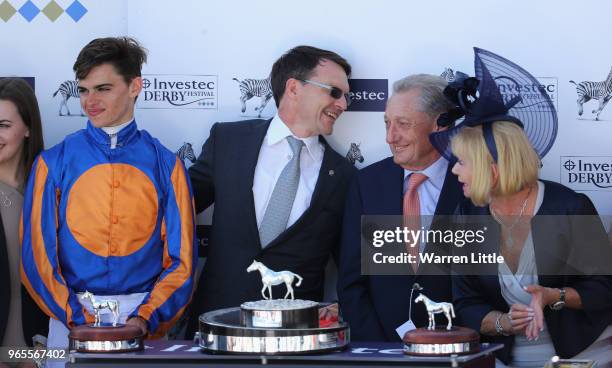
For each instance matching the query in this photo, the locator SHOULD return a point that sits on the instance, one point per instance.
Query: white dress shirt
(274, 155)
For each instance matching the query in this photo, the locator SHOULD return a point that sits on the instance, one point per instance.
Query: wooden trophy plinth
(440, 342)
(106, 339)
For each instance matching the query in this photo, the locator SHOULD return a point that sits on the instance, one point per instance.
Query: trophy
(101, 337)
(280, 313)
(271, 326)
(432, 341)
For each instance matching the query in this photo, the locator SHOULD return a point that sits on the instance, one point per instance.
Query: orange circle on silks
(112, 209)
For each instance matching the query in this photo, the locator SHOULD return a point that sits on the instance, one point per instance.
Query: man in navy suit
(375, 306)
(269, 207)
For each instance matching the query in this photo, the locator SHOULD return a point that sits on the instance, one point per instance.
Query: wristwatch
(558, 305)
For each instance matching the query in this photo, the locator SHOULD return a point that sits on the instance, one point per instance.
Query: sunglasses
(335, 92)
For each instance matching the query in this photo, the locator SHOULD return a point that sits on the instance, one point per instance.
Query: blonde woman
(532, 306)
(551, 295)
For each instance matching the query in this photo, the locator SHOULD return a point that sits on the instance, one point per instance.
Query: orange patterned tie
(412, 211)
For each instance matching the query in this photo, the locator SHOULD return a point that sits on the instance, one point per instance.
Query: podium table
(187, 354)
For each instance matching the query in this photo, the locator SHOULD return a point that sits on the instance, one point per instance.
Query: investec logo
(587, 172)
(529, 92)
(368, 94)
(169, 91)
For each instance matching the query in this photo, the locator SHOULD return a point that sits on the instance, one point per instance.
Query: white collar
(113, 130)
(278, 131)
(436, 172)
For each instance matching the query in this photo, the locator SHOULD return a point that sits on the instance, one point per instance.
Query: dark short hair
(21, 94)
(299, 63)
(124, 53)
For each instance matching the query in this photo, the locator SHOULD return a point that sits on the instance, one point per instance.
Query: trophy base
(221, 331)
(280, 313)
(440, 342)
(106, 339)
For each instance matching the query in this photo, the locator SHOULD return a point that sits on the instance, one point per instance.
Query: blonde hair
(518, 164)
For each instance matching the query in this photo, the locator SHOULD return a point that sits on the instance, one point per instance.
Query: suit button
(116, 184)
(115, 219)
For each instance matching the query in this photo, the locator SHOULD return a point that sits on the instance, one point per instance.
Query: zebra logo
(448, 75)
(601, 91)
(250, 88)
(186, 153)
(67, 89)
(354, 154)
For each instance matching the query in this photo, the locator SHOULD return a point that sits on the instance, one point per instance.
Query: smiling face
(13, 132)
(106, 98)
(408, 131)
(316, 109)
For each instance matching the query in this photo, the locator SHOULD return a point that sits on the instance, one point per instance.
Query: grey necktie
(279, 207)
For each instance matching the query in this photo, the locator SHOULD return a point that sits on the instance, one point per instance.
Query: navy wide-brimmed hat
(500, 91)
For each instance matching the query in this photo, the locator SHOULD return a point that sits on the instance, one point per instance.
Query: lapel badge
(331, 172)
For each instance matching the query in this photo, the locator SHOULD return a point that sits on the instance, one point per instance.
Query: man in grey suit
(278, 187)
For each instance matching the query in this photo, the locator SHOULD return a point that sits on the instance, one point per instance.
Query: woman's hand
(540, 297)
(518, 318)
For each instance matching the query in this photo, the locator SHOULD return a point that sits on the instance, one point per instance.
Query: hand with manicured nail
(518, 318)
(540, 297)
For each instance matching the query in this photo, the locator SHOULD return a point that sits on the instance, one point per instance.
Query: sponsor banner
(587, 173)
(259, 91)
(509, 88)
(596, 91)
(368, 94)
(177, 91)
(354, 154)
(67, 93)
(529, 92)
(185, 153)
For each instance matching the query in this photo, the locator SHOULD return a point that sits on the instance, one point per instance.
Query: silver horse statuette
(112, 305)
(433, 308)
(270, 278)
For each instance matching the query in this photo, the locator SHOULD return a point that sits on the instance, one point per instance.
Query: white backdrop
(217, 41)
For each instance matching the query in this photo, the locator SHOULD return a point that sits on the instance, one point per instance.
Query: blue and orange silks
(110, 221)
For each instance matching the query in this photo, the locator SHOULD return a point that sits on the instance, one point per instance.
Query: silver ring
(509, 316)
